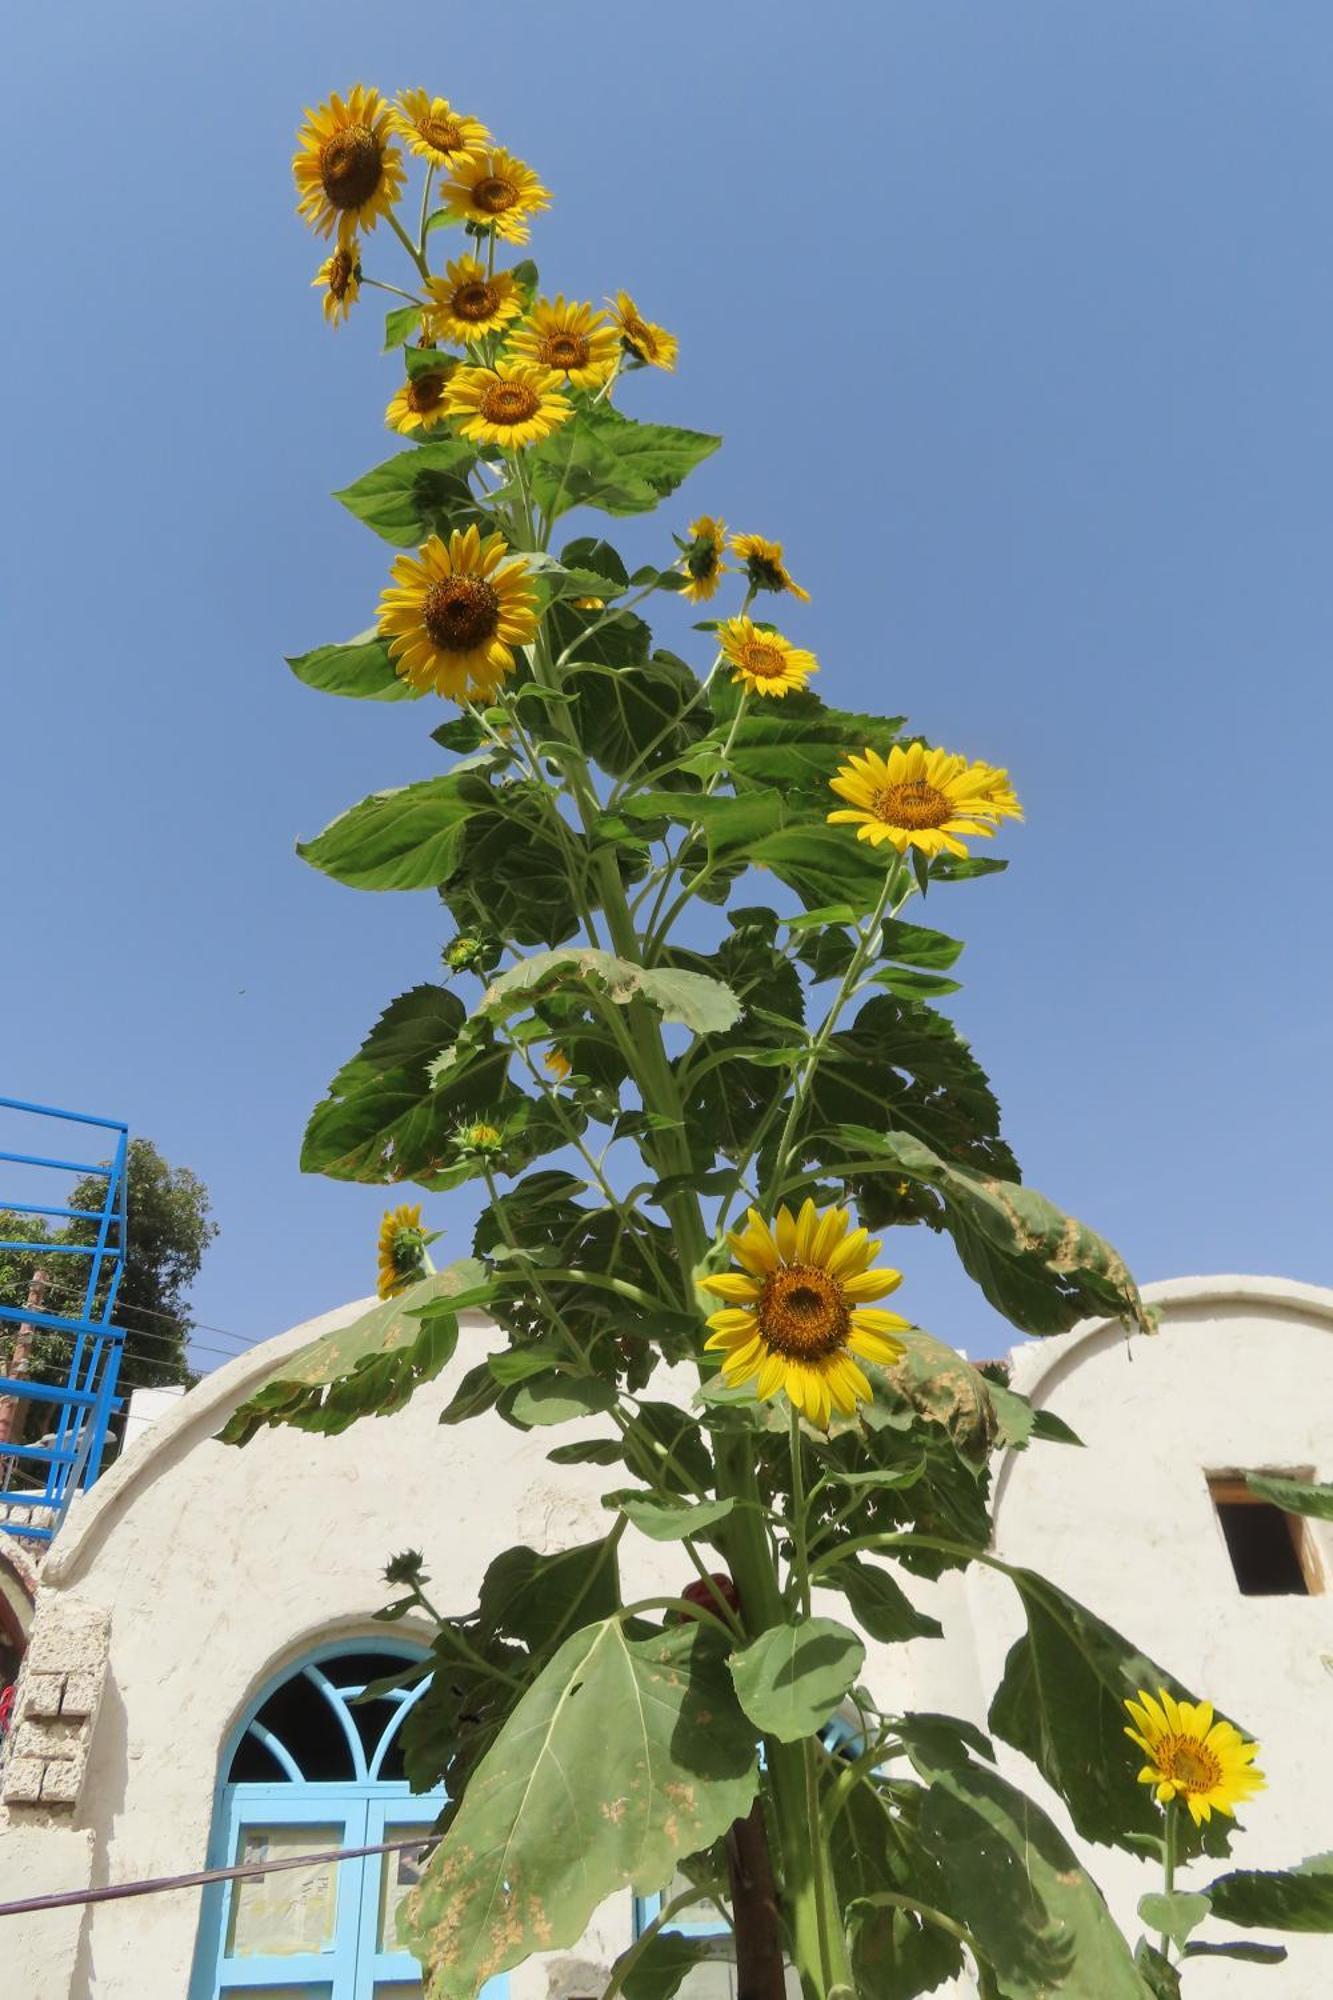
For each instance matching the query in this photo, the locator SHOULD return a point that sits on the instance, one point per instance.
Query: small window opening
(1273, 1553)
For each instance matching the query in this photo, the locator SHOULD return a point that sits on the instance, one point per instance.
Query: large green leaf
(795, 744)
(384, 1119)
(880, 1605)
(690, 998)
(647, 709)
(603, 459)
(1294, 1496)
(660, 1967)
(792, 1677)
(534, 1599)
(1020, 1889)
(1278, 1899)
(670, 1520)
(369, 1368)
(362, 668)
(1043, 1270)
(405, 839)
(416, 493)
(1062, 1703)
(623, 1756)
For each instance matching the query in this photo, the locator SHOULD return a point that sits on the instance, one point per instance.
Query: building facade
(204, 1624)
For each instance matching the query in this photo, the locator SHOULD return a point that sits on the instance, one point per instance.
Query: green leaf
(421, 361)
(419, 492)
(669, 1521)
(1173, 1916)
(558, 1399)
(517, 1364)
(1279, 1899)
(406, 839)
(1043, 1270)
(603, 459)
(476, 1393)
(591, 552)
(362, 668)
(661, 1966)
(880, 1605)
(534, 1599)
(622, 1757)
(1294, 1496)
(588, 1451)
(792, 1677)
(1157, 1973)
(369, 1368)
(1061, 1702)
(691, 998)
(823, 865)
(795, 744)
(647, 709)
(1249, 1952)
(1018, 1886)
(400, 323)
(913, 944)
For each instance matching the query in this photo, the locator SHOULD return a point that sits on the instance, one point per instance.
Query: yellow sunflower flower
(764, 565)
(763, 661)
(645, 341)
(703, 563)
(496, 189)
(558, 1063)
(1190, 1756)
(340, 275)
(921, 798)
(454, 612)
(419, 404)
(402, 1248)
(798, 1310)
(433, 130)
(572, 340)
(511, 404)
(465, 303)
(346, 173)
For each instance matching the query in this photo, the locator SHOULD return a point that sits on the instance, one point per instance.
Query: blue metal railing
(38, 1481)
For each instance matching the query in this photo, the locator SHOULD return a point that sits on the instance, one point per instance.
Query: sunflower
(762, 660)
(644, 341)
(1207, 1763)
(797, 1311)
(419, 404)
(453, 613)
(340, 276)
(496, 190)
(465, 303)
(557, 1062)
(703, 562)
(764, 565)
(433, 130)
(572, 340)
(511, 404)
(346, 173)
(402, 1248)
(479, 1138)
(921, 798)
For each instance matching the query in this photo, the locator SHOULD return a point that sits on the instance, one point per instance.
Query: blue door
(315, 1769)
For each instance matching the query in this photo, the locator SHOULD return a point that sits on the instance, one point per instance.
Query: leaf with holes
(623, 1756)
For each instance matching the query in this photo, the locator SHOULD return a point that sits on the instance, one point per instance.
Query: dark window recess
(1261, 1541)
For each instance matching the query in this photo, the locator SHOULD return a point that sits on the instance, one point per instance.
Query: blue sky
(1017, 319)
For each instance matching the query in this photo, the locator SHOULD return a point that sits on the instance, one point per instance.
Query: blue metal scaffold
(38, 1480)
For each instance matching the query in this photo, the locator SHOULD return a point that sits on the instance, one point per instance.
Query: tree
(169, 1230)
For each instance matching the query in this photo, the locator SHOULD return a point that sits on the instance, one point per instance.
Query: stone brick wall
(55, 1712)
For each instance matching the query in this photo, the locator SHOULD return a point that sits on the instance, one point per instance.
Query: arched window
(312, 1768)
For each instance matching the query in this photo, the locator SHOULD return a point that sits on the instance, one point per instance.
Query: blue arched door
(314, 1768)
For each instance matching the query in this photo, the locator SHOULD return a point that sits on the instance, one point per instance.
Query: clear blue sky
(1018, 320)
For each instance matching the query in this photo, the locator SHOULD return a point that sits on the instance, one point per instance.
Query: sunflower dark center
(1188, 1763)
(475, 300)
(350, 165)
(912, 805)
(341, 272)
(764, 660)
(444, 134)
(494, 194)
(765, 574)
(803, 1313)
(564, 350)
(509, 403)
(424, 393)
(702, 559)
(460, 612)
(640, 336)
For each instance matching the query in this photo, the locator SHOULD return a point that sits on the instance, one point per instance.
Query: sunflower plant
(686, 1036)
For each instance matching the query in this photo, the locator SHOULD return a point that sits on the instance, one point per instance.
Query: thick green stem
(1168, 1867)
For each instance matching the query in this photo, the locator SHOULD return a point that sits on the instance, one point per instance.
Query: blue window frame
(310, 1769)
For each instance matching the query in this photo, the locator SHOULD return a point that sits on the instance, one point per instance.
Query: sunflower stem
(1168, 1867)
(408, 245)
